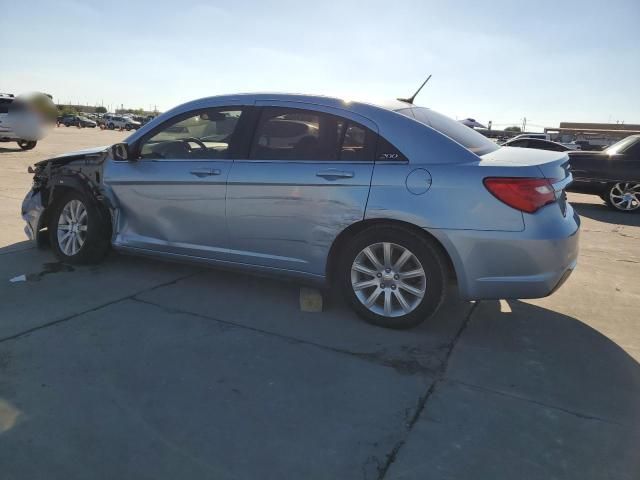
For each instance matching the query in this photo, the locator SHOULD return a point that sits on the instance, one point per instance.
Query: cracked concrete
(136, 369)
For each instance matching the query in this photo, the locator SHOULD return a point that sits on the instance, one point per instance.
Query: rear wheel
(76, 230)
(393, 277)
(27, 144)
(624, 196)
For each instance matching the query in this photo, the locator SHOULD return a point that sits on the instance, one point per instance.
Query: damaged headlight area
(32, 210)
(39, 177)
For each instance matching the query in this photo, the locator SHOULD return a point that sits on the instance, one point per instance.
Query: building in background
(592, 134)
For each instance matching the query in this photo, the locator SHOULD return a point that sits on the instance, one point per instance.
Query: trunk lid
(552, 165)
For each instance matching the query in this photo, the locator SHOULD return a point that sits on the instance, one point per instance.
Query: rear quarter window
(465, 136)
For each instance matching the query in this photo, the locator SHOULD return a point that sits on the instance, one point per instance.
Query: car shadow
(603, 213)
(11, 150)
(544, 356)
(17, 247)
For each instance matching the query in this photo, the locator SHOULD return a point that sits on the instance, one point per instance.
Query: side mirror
(120, 152)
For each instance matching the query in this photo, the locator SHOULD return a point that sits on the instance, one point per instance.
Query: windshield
(465, 136)
(622, 145)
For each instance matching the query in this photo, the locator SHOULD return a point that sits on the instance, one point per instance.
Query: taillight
(525, 194)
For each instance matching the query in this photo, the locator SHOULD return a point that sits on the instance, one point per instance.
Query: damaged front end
(81, 171)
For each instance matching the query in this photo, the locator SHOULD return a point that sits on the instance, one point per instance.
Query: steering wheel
(189, 140)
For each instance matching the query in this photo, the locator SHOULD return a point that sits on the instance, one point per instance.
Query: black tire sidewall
(27, 144)
(427, 253)
(96, 244)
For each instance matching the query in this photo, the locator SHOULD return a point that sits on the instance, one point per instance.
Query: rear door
(172, 198)
(306, 179)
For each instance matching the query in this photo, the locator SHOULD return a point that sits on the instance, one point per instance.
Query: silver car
(387, 203)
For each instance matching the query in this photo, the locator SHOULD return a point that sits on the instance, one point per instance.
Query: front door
(172, 197)
(306, 179)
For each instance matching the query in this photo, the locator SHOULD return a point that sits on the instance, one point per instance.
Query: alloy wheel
(72, 227)
(625, 196)
(388, 279)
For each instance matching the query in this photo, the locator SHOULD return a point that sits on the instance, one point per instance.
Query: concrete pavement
(139, 369)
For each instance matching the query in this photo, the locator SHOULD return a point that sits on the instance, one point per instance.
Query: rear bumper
(502, 265)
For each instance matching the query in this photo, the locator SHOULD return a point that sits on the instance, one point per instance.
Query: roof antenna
(412, 98)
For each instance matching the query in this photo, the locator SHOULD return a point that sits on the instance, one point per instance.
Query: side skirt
(301, 277)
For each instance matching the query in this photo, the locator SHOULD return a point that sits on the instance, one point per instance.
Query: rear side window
(297, 134)
(465, 136)
(550, 146)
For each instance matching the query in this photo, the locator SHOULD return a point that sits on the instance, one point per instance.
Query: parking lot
(140, 369)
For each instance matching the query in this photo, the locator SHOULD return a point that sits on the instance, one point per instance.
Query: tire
(111, 126)
(127, 127)
(90, 247)
(423, 254)
(27, 144)
(623, 196)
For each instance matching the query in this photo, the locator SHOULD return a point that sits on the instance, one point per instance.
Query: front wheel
(624, 196)
(27, 144)
(111, 126)
(393, 277)
(77, 232)
(127, 127)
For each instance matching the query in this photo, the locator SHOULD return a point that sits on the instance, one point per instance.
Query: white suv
(19, 124)
(117, 121)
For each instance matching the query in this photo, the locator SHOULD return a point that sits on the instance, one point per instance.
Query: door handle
(333, 174)
(206, 172)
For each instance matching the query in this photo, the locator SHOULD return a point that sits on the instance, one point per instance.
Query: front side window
(203, 135)
(295, 134)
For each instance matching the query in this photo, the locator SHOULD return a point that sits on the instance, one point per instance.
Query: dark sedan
(536, 143)
(613, 174)
(77, 121)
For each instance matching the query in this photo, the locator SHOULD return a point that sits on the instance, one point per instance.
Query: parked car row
(107, 120)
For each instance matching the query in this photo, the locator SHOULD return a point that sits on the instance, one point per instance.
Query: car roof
(323, 100)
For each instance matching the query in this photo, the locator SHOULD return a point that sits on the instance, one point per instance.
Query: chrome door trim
(173, 160)
(323, 162)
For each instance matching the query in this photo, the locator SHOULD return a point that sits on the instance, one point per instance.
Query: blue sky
(550, 61)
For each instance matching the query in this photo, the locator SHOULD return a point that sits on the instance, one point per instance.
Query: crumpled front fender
(32, 210)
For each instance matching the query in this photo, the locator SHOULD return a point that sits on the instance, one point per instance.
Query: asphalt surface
(134, 369)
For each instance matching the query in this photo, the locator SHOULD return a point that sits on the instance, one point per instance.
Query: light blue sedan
(387, 203)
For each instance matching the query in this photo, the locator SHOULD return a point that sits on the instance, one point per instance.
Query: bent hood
(93, 153)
